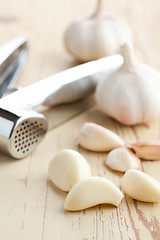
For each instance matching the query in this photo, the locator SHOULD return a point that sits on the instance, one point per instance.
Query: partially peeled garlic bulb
(128, 93)
(97, 36)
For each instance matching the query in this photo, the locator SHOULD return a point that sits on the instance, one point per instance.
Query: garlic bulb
(128, 93)
(97, 36)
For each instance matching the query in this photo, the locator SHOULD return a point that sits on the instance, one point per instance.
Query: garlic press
(21, 127)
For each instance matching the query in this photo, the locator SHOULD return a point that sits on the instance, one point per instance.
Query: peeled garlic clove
(121, 159)
(97, 36)
(149, 150)
(128, 94)
(97, 138)
(92, 191)
(141, 186)
(67, 168)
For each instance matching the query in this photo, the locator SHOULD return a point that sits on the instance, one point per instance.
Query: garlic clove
(141, 186)
(94, 137)
(149, 150)
(92, 191)
(97, 36)
(128, 94)
(67, 168)
(121, 159)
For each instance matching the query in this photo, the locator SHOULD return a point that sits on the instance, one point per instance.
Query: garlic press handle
(12, 58)
(10, 47)
(39, 92)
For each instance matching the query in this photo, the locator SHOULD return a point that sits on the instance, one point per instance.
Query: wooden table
(30, 206)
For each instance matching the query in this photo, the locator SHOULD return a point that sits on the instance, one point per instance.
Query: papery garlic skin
(147, 150)
(94, 137)
(121, 159)
(67, 168)
(141, 186)
(128, 94)
(97, 36)
(92, 191)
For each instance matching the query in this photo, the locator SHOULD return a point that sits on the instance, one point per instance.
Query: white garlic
(97, 36)
(121, 159)
(67, 168)
(97, 138)
(128, 93)
(141, 186)
(148, 150)
(92, 191)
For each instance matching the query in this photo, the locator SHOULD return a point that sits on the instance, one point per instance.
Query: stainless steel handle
(10, 47)
(38, 93)
(12, 57)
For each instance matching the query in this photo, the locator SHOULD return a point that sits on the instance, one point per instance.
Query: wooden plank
(31, 207)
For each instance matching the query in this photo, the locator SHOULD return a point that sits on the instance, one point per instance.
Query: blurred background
(43, 22)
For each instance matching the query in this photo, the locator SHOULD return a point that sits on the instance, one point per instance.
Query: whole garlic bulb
(97, 36)
(129, 94)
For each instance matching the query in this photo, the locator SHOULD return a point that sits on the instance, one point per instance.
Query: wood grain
(31, 207)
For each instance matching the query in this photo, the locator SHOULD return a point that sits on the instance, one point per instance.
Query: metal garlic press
(21, 127)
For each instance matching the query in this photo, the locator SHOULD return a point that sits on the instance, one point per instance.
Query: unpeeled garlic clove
(121, 159)
(149, 150)
(97, 36)
(67, 168)
(97, 138)
(141, 186)
(128, 93)
(92, 191)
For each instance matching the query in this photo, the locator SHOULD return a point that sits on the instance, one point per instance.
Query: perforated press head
(21, 133)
